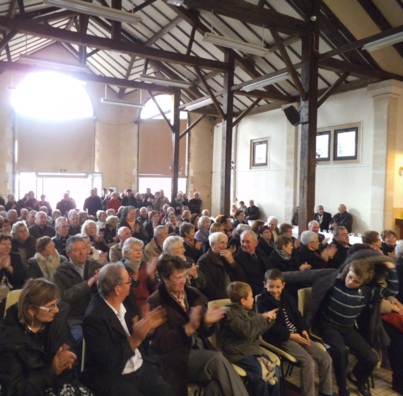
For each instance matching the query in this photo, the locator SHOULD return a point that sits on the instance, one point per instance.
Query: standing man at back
(93, 203)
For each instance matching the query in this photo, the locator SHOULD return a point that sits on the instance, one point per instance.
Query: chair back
(304, 300)
(12, 298)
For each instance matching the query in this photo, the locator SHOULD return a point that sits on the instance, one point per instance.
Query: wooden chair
(12, 298)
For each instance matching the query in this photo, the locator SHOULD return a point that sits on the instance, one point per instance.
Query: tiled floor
(382, 379)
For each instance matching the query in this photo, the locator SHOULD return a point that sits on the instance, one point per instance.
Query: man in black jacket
(323, 218)
(252, 212)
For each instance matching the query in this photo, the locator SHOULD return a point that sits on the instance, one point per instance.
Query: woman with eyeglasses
(35, 345)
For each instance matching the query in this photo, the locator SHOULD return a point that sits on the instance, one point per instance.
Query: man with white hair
(115, 252)
(314, 226)
(74, 222)
(309, 252)
(220, 267)
(62, 234)
(252, 260)
(12, 216)
(41, 228)
(272, 222)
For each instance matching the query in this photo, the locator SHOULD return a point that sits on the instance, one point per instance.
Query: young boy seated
(289, 332)
(238, 340)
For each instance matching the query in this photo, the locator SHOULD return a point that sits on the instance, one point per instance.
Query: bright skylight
(150, 109)
(52, 96)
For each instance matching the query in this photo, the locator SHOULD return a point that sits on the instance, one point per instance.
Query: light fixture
(265, 82)
(198, 104)
(235, 44)
(95, 10)
(49, 64)
(177, 3)
(165, 82)
(121, 103)
(383, 42)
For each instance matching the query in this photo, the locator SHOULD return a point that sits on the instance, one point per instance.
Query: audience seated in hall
(128, 219)
(235, 241)
(45, 261)
(181, 343)
(66, 204)
(62, 234)
(144, 280)
(194, 277)
(41, 228)
(76, 279)
(154, 247)
(286, 230)
(323, 218)
(23, 243)
(115, 252)
(192, 247)
(91, 229)
(343, 218)
(226, 222)
(252, 260)
(309, 252)
(219, 266)
(341, 241)
(389, 239)
(114, 364)
(252, 212)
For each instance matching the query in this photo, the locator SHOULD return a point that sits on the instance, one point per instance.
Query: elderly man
(75, 279)
(343, 218)
(252, 212)
(309, 252)
(66, 204)
(195, 203)
(41, 228)
(182, 341)
(115, 252)
(93, 203)
(220, 267)
(154, 247)
(74, 222)
(314, 226)
(323, 218)
(23, 214)
(253, 261)
(62, 234)
(31, 218)
(12, 216)
(194, 277)
(272, 222)
(342, 243)
(115, 365)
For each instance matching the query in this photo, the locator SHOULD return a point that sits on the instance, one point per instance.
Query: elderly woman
(181, 342)
(91, 229)
(45, 261)
(12, 271)
(282, 258)
(192, 247)
(389, 239)
(128, 219)
(203, 232)
(101, 218)
(174, 245)
(144, 280)
(23, 243)
(36, 357)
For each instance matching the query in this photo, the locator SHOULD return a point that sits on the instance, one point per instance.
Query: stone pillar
(200, 159)
(386, 97)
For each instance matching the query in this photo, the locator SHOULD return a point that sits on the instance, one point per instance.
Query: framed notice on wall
(259, 153)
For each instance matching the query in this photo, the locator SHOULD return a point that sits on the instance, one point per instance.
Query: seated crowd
(133, 275)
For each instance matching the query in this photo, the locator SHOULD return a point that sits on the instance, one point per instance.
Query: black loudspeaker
(292, 115)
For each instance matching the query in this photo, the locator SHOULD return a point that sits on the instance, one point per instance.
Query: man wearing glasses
(115, 365)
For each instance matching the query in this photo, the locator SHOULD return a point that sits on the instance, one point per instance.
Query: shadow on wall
(359, 226)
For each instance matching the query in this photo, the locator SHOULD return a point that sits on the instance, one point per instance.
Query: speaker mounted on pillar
(292, 115)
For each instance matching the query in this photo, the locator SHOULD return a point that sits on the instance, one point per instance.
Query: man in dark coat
(343, 218)
(252, 212)
(323, 218)
(93, 203)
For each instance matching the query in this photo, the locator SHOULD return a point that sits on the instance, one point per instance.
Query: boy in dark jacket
(238, 339)
(290, 333)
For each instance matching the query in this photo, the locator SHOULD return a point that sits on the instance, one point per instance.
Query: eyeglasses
(129, 282)
(51, 308)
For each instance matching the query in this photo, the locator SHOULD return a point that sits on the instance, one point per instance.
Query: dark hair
(168, 263)
(238, 290)
(109, 277)
(282, 241)
(386, 233)
(238, 212)
(125, 212)
(185, 228)
(261, 229)
(41, 243)
(222, 219)
(284, 228)
(273, 274)
(256, 224)
(5, 237)
(370, 237)
(73, 239)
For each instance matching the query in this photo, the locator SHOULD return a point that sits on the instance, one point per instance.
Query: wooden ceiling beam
(249, 13)
(35, 29)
